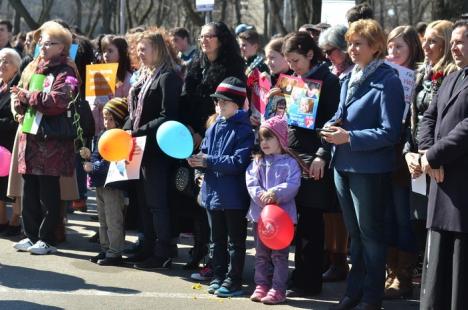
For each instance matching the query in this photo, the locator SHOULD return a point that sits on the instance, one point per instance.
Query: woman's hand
(22, 94)
(337, 135)
(317, 168)
(197, 160)
(412, 160)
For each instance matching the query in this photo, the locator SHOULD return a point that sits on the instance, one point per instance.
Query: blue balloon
(175, 139)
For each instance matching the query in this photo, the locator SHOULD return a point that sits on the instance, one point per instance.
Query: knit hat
(279, 127)
(232, 89)
(118, 107)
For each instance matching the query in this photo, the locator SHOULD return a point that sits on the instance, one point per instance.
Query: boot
(338, 270)
(402, 286)
(392, 264)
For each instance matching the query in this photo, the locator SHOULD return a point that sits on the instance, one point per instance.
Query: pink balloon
(5, 161)
(275, 227)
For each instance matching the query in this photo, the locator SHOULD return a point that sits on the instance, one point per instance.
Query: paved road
(69, 281)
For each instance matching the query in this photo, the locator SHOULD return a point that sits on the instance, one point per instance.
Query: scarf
(142, 86)
(359, 76)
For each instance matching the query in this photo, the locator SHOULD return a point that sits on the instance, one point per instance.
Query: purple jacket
(280, 173)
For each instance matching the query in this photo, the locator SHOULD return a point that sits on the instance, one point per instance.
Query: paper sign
(101, 79)
(302, 99)
(32, 118)
(72, 53)
(204, 5)
(419, 185)
(121, 171)
(259, 85)
(408, 81)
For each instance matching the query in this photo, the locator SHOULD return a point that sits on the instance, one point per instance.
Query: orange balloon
(115, 144)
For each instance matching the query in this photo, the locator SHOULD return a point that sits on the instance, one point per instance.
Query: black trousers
(228, 235)
(41, 207)
(309, 241)
(445, 271)
(155, 214)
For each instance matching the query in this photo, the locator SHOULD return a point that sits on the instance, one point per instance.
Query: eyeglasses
(206, 36)
(5, 62)
(48, 44)
(221, 101)
(330, 51)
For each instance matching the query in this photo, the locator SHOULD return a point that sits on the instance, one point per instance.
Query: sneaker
(274, 297)
(110, 261)
(229, 289)
(95, 259)
(154, 263)
(79, 205)
(23, 245)
(260, 292)
(205, 274)
(214, 286)
(41, 248)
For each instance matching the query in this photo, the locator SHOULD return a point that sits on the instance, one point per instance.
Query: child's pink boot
(260, 292)
(274, 297)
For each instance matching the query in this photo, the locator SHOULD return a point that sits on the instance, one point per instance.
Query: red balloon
(275, 227)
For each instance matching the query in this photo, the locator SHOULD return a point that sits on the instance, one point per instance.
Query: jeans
(228, 235)
(363, 198)
(41, 207)
(271, 266)
(398, 228)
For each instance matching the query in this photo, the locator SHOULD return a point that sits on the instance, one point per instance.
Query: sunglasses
(330, 51)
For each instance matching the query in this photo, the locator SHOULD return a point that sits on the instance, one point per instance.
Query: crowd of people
(347, 186)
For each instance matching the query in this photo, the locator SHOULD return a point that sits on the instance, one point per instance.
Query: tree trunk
(79, 8)
(191, 14)
(106, 16)
(316, 11)
(301, 13)
(23, 12)
(238, 12)
(17, 23)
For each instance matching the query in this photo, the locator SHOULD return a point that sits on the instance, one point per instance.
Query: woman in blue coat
(364, 131)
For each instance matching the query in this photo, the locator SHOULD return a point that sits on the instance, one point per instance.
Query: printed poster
(100, 87)
(124, 170)
(32, 118)
(260, 85)
(408, 81)
(298, 101)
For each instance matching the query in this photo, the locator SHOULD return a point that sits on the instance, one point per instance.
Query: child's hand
(268, 197)
(197, 160)
(87, 166)
(199, 180)
(85, 153)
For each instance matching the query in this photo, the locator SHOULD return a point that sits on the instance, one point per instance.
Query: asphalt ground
(67, 280)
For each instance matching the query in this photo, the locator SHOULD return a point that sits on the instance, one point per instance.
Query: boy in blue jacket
(224, 157)
(109, 199)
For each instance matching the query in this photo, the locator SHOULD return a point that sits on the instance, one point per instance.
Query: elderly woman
(45, 156)
(363, 132)
(9, 68)
(332, 42)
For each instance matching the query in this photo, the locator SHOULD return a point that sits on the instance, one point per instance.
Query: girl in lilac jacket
(273, 177)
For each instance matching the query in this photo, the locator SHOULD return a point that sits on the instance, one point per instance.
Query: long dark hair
(229, 48)
(122, 47)
(301, 42)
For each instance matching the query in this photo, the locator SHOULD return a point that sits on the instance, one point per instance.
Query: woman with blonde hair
(45, 156)
(153, 100)
(364, 158)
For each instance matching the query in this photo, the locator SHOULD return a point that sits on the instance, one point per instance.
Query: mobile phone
(324, 130)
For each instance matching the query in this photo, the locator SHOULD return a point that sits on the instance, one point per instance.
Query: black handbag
(58, 127)
(184, 180)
